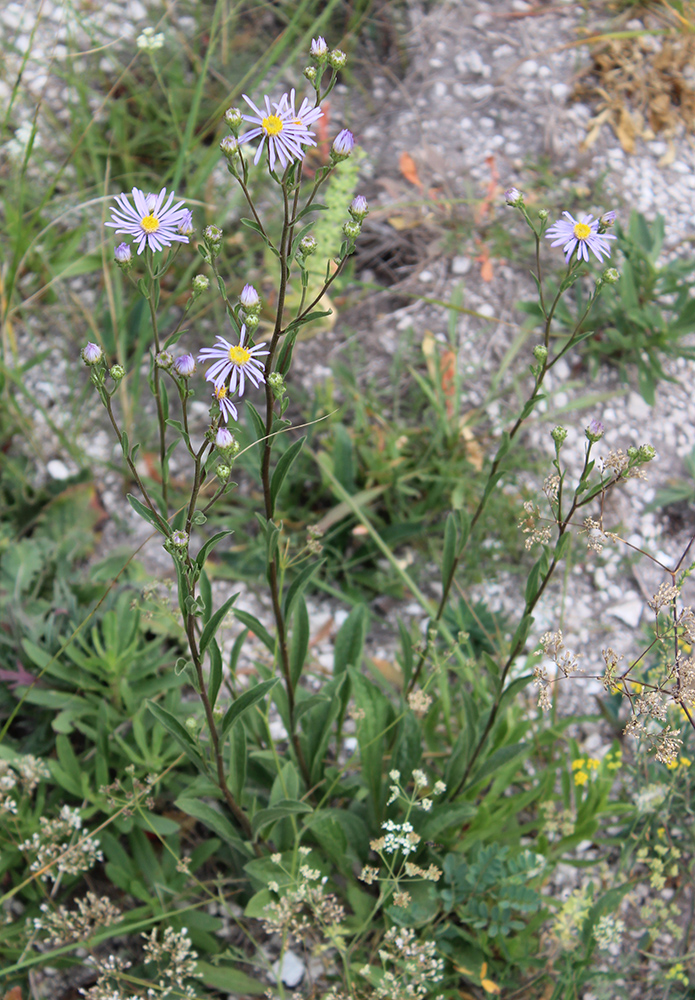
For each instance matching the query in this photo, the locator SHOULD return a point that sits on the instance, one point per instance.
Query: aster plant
(242, 377)
(242, 365)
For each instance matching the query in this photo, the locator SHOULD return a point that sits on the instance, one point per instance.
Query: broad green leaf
(215, 622)
(179, 733)
(287, 807)
(282, 468)
(244, 702)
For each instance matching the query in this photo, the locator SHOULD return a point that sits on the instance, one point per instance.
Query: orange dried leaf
(409, 170)
(447, 371)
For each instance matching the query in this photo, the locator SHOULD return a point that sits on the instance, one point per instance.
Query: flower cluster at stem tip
(575, 236)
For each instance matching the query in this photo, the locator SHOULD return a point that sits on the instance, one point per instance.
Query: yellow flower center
(150, 223)
(272, 125)
(239, 355)
(581, 230)
(221, 391)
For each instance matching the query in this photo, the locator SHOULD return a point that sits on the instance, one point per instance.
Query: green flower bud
(543, 215)
(352, 230)
(164, 360)
(558, 434)
(540, 352)
(311, 74)
(337, 59)
(307, 246)
(179, 539)
(234, 119)
(199, 284)
(277, 384)
(117, 372)
(223, 473)
(212, 236)
(646, 453)
(610, 276)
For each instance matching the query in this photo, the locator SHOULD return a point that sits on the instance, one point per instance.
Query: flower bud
(337, 59)
(185, 226)
(540, 352)
(543, 215)
(179, 539)
(558, 434)
(595, 431)
(606, 221)
(307, 246)
(310, 73)
(226, 442)
(343, 145)
(212, 235)
(117, 372)
(200, 284)
(359, 208)
(223, 472)
(185, 365)
(164, 360)
(234, 119)
(610, 276)
(319, 49)
(513, 197)
(229, 146)
(91, 354)
(645, 453)
(277, 383)
(250, 299)
(124, 256)
(251, 320)
(352, 230)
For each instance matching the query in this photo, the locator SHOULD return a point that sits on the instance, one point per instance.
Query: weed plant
(201, 830)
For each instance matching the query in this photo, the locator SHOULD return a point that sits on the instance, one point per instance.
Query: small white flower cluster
(64, 926)
(608, 933)
(174, 951)
(53, 851)
(399, 837)
(421, 781)
(305, 910)
(528, 523)
(412, 966)
(148, 41)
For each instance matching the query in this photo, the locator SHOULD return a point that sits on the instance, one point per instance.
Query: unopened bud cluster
(212, 237)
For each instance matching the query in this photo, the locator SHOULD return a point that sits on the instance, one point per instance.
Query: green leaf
(244, 702)
(498, 759)
(215, 681)
(282, 468)
(147, 514)
(298, 586)
(179, 733)
(349, 642)
(300, 641)
(208, 546)
(256, 420)
(210, 817)
(215, 622)
(286, 807)
(258, 630)
(449, 556)
(229, 979)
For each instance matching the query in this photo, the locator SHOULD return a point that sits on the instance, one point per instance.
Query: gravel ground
(486, 96)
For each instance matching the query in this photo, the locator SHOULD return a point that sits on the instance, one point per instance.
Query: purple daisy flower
(151, 222)
(227, 407)
(307, 114)
(280, 128)
(581, 235)
(234, 362)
